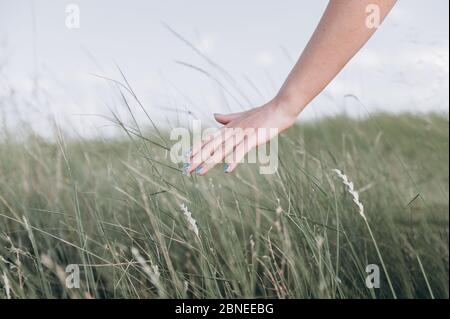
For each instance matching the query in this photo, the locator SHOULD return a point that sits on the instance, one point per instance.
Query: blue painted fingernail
(186, 167)
(199, 169)
(226, 168)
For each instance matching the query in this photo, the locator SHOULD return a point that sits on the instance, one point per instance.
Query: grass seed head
(351, 189)
(192, 223)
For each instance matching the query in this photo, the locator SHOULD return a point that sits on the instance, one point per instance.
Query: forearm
(340, 34)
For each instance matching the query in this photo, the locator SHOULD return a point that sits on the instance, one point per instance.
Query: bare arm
(341, 33)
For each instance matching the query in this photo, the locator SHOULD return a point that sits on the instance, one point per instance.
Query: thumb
(226, 118)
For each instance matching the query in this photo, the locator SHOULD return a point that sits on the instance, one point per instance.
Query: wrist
(291, 105)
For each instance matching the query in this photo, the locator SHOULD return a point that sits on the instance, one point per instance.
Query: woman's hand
(241, 132)
(341, 33)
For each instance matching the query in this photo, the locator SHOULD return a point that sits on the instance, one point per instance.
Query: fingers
(208, 136)
(206, 149)
(226, 118)
(229, 143)
(233, 159)
(215, 149)
(223, 150)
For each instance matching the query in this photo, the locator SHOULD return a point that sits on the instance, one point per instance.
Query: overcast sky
(404, 67)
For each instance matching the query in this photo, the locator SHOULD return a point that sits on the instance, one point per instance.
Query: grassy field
(115, 207)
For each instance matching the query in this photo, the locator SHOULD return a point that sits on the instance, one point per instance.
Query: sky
(49, 70)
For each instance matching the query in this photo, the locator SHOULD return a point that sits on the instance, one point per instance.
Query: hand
(338, 37)
(241, 132)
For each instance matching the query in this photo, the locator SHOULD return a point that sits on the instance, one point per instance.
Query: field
(119, 210)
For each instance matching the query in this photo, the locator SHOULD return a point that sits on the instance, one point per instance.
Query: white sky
(404, 67)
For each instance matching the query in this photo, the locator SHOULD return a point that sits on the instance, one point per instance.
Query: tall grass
(139, 228)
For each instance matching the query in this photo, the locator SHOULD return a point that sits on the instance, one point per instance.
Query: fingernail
(186, 167)
(226, 168)
(199, 169)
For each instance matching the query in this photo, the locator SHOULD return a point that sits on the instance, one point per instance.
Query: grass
(113, 207)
